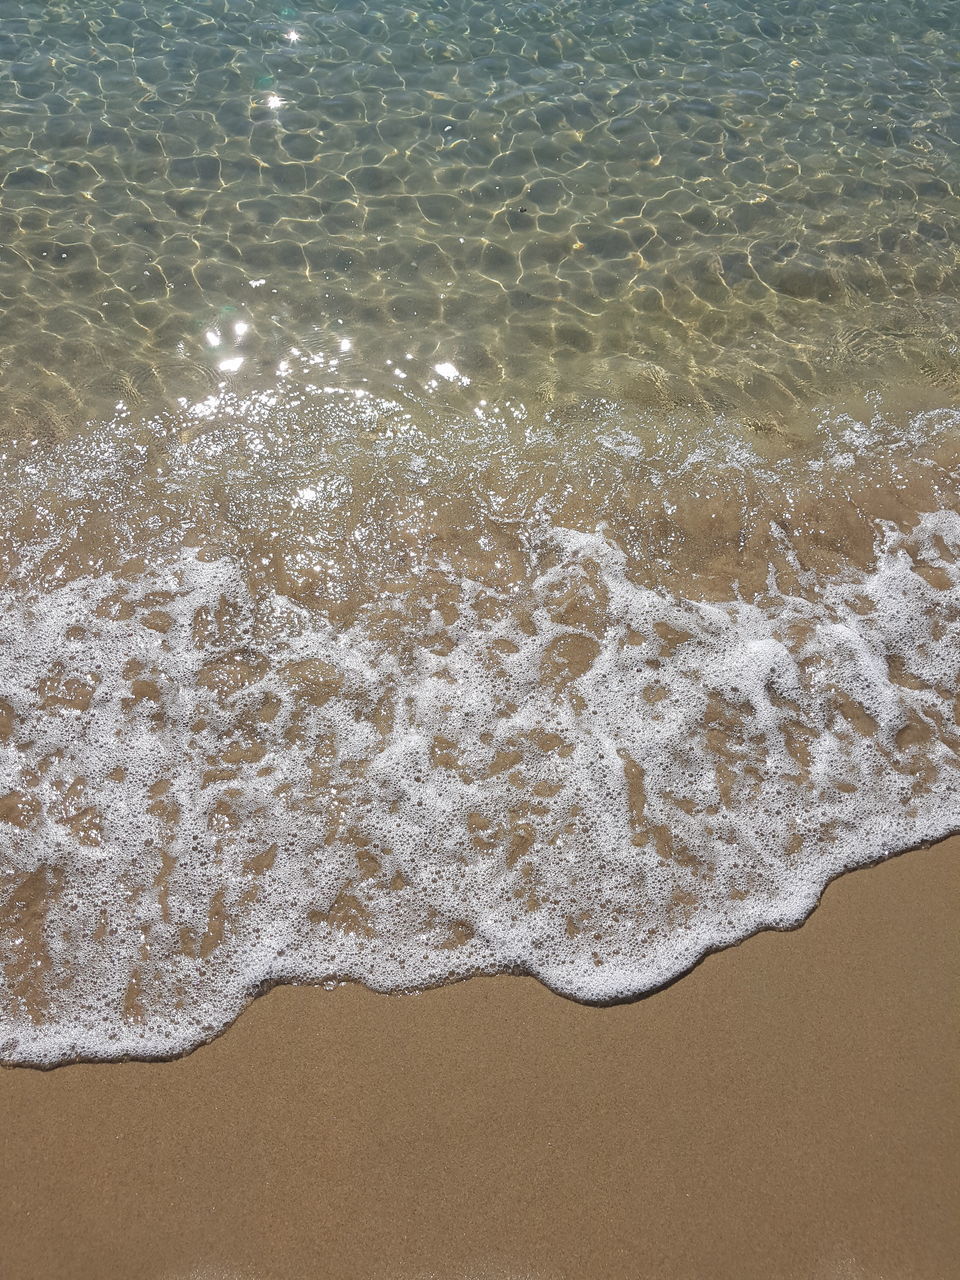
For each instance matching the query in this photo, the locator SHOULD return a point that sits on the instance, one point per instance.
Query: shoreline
(334, 983)
(267, 714)
(782, 1111)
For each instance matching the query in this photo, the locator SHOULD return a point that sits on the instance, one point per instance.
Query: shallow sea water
(479, 491)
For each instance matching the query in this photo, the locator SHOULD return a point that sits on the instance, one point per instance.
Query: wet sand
(787, 1110)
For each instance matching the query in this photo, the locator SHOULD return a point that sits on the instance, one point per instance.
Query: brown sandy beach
(786, 1111)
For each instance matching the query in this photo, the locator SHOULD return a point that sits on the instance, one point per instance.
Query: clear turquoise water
(740, 206)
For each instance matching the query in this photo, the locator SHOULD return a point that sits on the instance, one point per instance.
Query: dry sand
(789, 1109)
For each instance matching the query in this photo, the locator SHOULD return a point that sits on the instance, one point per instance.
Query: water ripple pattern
(735, 205)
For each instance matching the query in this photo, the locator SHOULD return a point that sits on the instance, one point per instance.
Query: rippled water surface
(738, 205)
(478, 490)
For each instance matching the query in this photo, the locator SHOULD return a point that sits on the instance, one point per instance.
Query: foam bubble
(209, 789)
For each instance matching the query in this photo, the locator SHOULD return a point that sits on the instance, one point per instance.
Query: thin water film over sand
(479, 492)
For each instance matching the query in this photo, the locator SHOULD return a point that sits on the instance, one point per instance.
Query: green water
(741, 207)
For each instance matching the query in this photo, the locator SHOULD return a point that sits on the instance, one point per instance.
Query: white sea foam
(219, 791)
